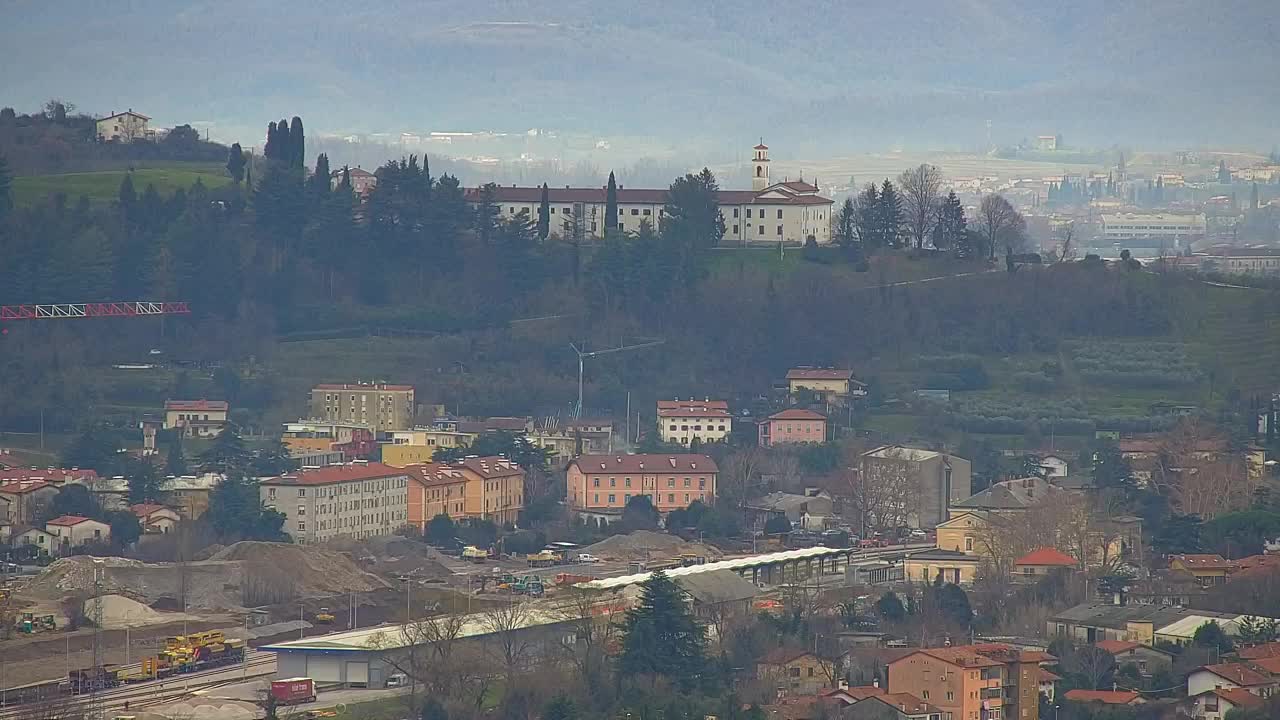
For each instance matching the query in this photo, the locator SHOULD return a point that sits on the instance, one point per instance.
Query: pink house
(795, 425)
(603, 484)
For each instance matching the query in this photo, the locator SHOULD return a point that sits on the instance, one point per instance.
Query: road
(159, 692)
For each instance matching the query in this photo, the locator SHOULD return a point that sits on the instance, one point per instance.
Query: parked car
(397, 680)
(587, 558)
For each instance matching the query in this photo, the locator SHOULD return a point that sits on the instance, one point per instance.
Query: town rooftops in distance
(21, 487)
(655, 463)
(52, 475)
(336, 474)
(362, 386)
(196, 405)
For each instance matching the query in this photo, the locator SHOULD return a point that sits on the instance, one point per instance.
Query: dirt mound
(306, 570)
(394, 556)
(120, 612)
(207, 585)
(648, 545)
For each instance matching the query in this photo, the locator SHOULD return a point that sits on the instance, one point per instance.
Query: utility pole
(582, 356)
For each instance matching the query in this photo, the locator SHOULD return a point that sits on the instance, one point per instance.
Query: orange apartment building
(973, 682)
(602, 484)
(489, 487)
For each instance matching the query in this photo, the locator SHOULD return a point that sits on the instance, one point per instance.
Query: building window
(302, 492)
(735, 229)
(761, 230)
(553, 211)
(635, 211)
(302, 525)
(595, 482)
(779, 230)
(671, 498)
(735, 213)
(612, 498)
(646, 212)
(779, 214)
(968, 544)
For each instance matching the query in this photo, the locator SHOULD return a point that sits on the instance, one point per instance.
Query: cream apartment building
(681, 421)
(788, 211)
(381, 406)
(357, 500)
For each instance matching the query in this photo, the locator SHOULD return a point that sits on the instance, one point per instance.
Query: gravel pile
(209, 585)
(119, 612)
(648, 545)
(307, 570)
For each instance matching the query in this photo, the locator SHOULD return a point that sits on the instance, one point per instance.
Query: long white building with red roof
(788, 211)
(356, 500)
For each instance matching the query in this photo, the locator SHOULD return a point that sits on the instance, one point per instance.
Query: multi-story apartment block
(683, 421)
(789, 211)
(603, 484)
(973, 682)
(490, 488)
(380, 406)
(793, 425)
(357, 500)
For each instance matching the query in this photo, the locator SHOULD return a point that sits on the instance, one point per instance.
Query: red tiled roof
(361, 386)
(1203, 562)
(782, 656)
(1008, 653)
(635, 196)
(214, 405)
(640, 464)
(1047, 556)
(491, 466)
(1271, 664)
(862, 692)
(907, 703)
(1109, 697)
(818, 374)
(1046, 676)
(1115, 647)
(797, 414)
(1238, 697)
(799, 186)
(1256, 565)
(336, 474)
(122, 114)
(687, 410)
(144, 510)
(435, 474)
(67, 520)
(21, 487)
(57, 475)
(1265, 650)
(960, 656)
(1238, 673)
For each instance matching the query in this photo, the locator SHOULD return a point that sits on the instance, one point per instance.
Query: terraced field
(1239, 340)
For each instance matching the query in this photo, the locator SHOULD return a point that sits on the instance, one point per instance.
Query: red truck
(293, 691)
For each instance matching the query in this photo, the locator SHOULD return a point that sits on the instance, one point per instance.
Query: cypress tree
(235, 163)
(272, 149)
(320, 178)
(128, 198)
(544, 213)
(890, 215)
(611, 204)
(297, 144)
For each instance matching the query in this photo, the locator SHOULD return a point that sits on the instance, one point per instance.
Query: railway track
(159, 692)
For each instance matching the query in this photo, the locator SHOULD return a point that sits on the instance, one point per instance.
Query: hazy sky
(819, 74)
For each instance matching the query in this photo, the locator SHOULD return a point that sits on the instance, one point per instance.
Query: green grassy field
(104, 186)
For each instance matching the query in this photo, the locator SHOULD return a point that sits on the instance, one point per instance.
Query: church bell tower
(760, 167)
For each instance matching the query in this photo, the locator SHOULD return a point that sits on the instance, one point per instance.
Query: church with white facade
(769, 212)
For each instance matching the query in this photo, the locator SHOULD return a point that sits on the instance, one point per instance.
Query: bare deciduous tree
(591, 613)
(1065, 249)
(425, 652)
(881, 493)
(1000, 224)
(921, 190)
(509, 645)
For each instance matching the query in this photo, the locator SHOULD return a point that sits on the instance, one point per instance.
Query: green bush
(1134, 364)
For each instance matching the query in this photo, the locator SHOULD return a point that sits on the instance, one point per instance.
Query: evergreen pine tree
(1224, 175)
(486, 213)
(227, 454)
(297, 144)
(271, 150)
(868, 204)
(847, 224)
(235, 163)
(889, 216)
(320, 178)
(544, 213)
(611, 204)
(661, 636)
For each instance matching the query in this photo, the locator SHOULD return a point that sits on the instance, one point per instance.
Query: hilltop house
(196, 418)
(830, 385)
(126, 126)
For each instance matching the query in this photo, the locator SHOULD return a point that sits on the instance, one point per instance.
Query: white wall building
(123, 127)
(357, 500)
(788, 211)
(1119, 227)
(680, 421)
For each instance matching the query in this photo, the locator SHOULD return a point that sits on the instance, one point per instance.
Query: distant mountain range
(821, 75)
